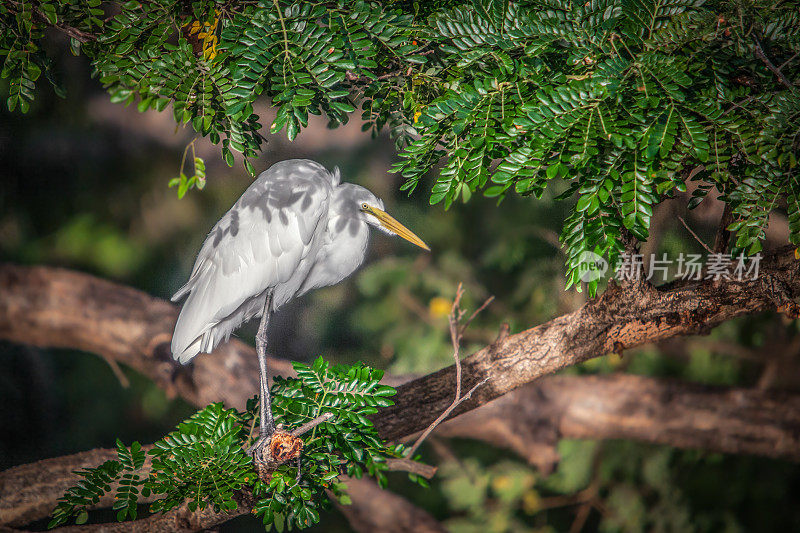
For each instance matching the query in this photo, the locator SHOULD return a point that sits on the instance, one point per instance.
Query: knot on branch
(283, 447)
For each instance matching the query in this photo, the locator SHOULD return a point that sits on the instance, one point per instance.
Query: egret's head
(371, 209)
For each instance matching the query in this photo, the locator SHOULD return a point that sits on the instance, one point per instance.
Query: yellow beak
(388, 222)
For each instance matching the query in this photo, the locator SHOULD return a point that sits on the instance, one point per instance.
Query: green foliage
(486, 499)
(198, 179)
(96, 482)
(127, 493)
(622, 100)
(346, 443)
(203, 462)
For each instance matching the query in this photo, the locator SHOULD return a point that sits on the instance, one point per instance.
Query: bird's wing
(273, 230)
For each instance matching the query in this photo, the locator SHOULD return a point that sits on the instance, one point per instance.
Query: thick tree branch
(531, 420)
(380, 510)
(53, 307)
(619, 319)
(29, 492)
(59, 308)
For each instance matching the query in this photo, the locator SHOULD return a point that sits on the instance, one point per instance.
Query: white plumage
(296, 228)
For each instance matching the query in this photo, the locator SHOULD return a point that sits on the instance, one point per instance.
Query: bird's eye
(364, 206)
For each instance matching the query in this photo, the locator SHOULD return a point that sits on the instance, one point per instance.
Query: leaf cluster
(618, 102)
(202, 463)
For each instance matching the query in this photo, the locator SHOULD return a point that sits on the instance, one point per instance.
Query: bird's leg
(266, 423)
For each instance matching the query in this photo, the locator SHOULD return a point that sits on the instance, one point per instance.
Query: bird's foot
(259, 451)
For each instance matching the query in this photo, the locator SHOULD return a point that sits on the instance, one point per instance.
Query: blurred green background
(84, 185)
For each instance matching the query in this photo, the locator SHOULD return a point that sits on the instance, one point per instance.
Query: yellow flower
(797, 253)
(439, 307)
(417, 114)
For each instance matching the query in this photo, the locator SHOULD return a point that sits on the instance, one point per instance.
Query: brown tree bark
(58, 308)
(619, 319)
(53, 307)
(381, 510)
(531, 420)
(29, 492)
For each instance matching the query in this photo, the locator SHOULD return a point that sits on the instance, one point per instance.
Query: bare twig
(580, 517)
(502, 335)
(118, 373)
(455, 337)
(759, 51)
(483, 306)
(698, 239)
(311, 424)
(75, 33)
(443, 416)
(456, 334)
(780, 67)
(412, 467)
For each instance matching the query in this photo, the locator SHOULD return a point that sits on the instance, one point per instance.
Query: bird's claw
(259, 451)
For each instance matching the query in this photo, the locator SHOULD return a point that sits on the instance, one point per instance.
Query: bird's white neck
(342, 252)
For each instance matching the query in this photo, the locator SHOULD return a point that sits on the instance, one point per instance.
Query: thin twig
(120, 375)
(311, 424)
(483, 306)
(75, 33)
(704, 245)
(759, 51)
(412, 467)
(580, 517)
(456, 334)
(788, 61)
(443, 416)
(455, 315)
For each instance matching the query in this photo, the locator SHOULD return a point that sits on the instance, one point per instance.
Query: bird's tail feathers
(192, 337)
(188, 339)
(188, 353)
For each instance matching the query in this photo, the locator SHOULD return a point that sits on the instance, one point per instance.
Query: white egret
(296, 228)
